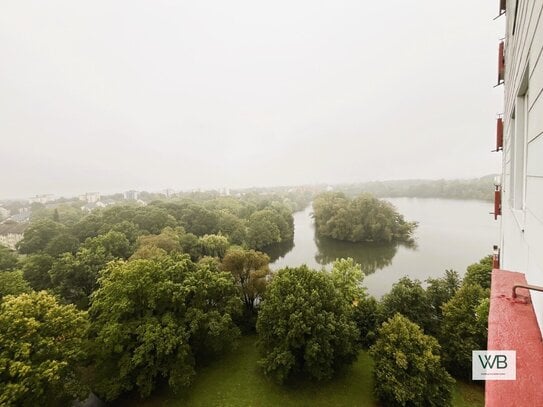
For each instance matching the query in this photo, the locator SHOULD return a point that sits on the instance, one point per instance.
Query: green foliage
(408, 369)
(39, 234)
(153, 318)
(347, 277)
(464, 328)
(479, 273)
(250, 271)
(261, 229)
(166, 242)
(362, 219)
(408, 298)
(366, 316)
(75, 277)
(13, 283)
(113, 244)
(8, 259)
(41, 347)
(438, 292)
(36, 269)
(63, 243)
(214, 245)
(305, 326)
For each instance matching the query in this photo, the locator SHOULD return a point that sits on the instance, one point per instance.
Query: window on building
(519, 130)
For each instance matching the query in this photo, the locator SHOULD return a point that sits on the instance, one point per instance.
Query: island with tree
(364, 218)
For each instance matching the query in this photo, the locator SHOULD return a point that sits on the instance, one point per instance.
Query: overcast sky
(116, 95)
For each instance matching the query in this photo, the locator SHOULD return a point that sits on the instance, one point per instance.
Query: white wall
(522, 230)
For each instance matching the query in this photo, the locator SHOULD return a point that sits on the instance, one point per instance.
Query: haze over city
(111, 96)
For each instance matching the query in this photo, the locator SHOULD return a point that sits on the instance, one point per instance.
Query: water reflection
(371, 256)
(278, 250)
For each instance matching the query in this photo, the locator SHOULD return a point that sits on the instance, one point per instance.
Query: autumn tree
(41, 348)
(250, 271)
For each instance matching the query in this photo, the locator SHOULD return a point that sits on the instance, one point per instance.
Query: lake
(451, 235)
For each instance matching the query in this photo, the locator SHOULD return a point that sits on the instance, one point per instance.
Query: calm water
(451, 234)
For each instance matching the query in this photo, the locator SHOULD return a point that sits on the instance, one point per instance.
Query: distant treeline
(476, 188)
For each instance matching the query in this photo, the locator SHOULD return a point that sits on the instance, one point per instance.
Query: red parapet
(501, 63)
(512, 325)
(499, 134)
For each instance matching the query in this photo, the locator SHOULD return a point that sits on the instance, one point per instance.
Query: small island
(364, 218)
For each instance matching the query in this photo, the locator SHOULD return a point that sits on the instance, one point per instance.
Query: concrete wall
(522, 204)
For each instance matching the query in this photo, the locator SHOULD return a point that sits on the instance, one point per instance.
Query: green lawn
(235, 380)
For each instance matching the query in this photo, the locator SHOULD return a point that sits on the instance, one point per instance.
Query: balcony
(512, 325)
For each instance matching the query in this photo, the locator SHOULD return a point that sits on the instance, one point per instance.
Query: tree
(464, 328)
(261, 230)
(36, 269)
(166, 242)
(13, 283)
(8, 259)
(479, 273)
(63, 243)
(408, 298)
(38, 235)
(75, 277)
(41, 348)
(366, 316)
(250, 270)
(347, 277)
(154, 318)
(214, 245)
(305, 326)
(408, 369)
(362, 219)
(115, 245)
(438, 292)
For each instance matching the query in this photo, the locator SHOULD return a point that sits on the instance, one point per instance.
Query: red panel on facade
(512, 325)
(501, 63)
(499, 134)
(497, 203)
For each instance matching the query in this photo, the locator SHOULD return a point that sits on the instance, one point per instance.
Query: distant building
(89, 207)
(90, 197)
(11, 233)
(169, 193)
(22, 217)
(131, 195)
(43, 199)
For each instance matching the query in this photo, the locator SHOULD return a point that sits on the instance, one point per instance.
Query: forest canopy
(361, 219)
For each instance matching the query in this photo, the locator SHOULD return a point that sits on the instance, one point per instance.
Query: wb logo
(494, 365)
(489, 361)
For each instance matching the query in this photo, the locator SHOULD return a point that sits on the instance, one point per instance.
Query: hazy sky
(115, 95)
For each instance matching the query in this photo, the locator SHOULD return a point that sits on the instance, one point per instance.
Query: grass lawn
(235, 380)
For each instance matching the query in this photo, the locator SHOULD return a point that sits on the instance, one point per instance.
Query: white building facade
(521, 243)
